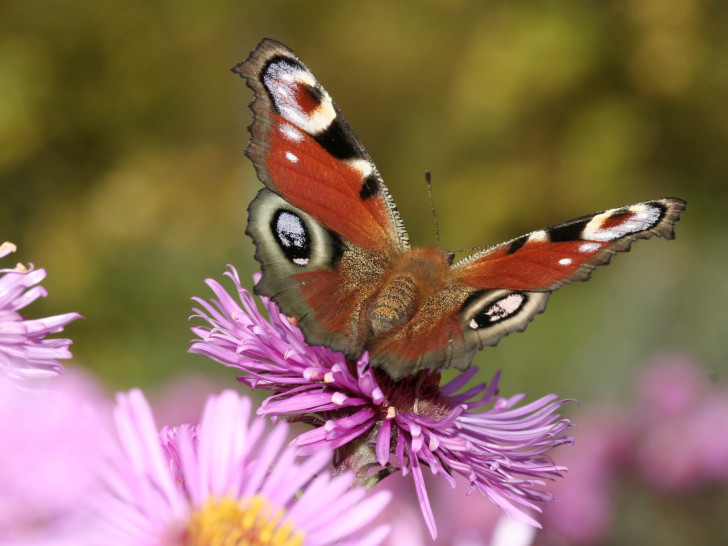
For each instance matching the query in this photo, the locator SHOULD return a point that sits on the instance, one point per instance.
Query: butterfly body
(335, 255)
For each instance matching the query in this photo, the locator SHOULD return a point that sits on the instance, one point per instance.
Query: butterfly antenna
(428, 181)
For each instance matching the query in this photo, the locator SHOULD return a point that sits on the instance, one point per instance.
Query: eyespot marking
(292, 236)
(499, 310)
(297, 96)
(617, 223)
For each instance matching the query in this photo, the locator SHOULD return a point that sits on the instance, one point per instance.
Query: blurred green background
(122, 168)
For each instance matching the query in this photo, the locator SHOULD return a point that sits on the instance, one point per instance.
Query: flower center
(251, 522)
(419, 393)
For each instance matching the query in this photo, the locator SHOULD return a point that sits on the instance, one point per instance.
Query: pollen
(8, 247)
(251, 522)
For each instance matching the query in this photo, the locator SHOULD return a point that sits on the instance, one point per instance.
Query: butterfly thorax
(414, 275)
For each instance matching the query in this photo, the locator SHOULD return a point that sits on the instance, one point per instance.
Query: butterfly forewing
(304, 149)
(548, 258)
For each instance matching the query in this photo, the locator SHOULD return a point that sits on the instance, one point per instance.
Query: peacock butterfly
(335, 255)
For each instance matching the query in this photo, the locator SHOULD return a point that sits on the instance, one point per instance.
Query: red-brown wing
(549, 258)
(304, 150)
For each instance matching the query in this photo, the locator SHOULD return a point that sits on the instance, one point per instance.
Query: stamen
(229, 522)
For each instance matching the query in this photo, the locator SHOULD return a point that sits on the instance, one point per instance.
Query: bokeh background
(122, 173)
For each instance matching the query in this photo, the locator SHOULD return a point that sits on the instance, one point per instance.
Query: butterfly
(336, 258)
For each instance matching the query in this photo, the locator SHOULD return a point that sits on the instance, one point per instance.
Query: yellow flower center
(251, 522)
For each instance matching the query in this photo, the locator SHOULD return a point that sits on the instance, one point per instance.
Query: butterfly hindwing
(452, 325)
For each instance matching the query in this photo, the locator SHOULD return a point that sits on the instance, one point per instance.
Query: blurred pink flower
(711, 426)
(499, 445)
(225, 481)
(669, 386)
(52, 444)
(584, 512)
(668, 456)
(464, 519)
(403, 514)
(680, 444)
(25, 353)
(182, 398)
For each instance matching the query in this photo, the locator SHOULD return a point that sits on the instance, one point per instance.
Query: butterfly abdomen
(395, 304)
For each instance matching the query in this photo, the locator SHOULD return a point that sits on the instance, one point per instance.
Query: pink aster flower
(372, 422)
(679, 415)
(51, 453)
(602, 445)
(224, 482)
(670, 385)
(24, 351)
